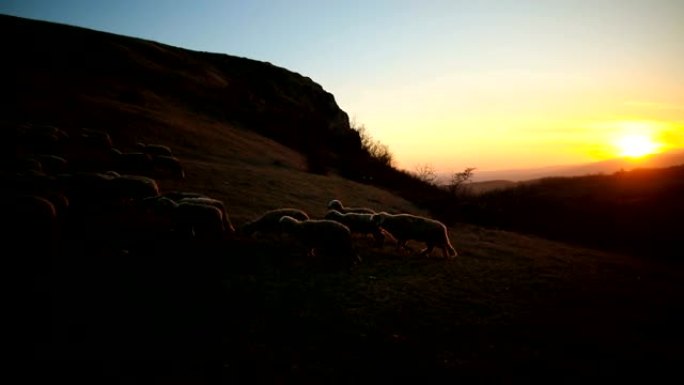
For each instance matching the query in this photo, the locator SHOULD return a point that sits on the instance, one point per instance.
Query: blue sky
(452, 84)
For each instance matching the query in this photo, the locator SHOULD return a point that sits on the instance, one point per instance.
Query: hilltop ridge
(56, 70)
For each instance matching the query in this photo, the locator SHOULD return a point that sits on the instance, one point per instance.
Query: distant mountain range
(670, 158)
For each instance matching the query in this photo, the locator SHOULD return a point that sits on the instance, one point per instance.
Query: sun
(636, 145)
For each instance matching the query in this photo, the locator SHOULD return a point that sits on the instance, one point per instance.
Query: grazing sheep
(164, 166)
(132, 162)
(200, 220)
(96, 139)
(52, 164)
(133, 187)
(405, 227)
(227, 225)
(337, 205)
(323, 235)
(269, 222)
(38, 138)
(359, 223)
(178, 195)
(155, 149)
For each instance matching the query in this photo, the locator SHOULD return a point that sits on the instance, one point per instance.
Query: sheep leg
(427, 251)
(448, 251)
(401, 245)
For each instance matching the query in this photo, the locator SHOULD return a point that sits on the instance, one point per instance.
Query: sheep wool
(322, 235)
(337, 205)
(405, 227)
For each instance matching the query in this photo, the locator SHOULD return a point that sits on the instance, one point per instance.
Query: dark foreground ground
(513, 310)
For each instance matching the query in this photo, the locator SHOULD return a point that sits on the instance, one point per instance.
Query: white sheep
(227, 225)
(360, 223)
(405, 227)
(200, 220)
(337, 205)
(154, 149)
(269, 222)
(323, 235)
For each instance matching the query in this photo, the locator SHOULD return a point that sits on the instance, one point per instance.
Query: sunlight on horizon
(636, 145)
(636, 139)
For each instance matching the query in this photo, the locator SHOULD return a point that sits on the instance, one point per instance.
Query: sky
(448, 84)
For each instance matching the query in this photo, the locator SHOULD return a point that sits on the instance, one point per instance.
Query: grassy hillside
(509, 309)
(636, 212)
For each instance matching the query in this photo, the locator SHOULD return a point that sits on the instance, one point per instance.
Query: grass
(509, 309)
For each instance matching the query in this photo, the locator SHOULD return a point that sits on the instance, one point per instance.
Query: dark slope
(54, 70)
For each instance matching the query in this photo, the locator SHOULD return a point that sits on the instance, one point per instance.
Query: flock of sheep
(76, 184)
(333, 233)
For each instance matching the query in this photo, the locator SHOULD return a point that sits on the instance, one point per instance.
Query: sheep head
(335, 205)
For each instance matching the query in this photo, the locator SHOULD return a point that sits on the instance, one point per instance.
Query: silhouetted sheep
(269, 222)
(132, 162)
(52, 164)
(405, 227)
(96, 139)
(337, 205)
(154, 149)
(133, 187)
(178, 195)
(34, 138)
(323, 235)
(164, 166)
(227, 225)
(200, 221)
(360, 223)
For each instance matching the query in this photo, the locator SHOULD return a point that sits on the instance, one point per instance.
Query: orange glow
(636, 145)
(636, 140)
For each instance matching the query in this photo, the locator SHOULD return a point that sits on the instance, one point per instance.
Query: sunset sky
(451, 84)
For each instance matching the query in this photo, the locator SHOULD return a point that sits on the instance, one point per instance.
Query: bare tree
(458, 185)
(374, 148)
(426, 173)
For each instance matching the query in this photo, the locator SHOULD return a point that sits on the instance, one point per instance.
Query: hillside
(636, 212)
(123, 84)
(166, 309)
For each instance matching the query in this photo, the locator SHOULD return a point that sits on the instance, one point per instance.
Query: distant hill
(636, 211)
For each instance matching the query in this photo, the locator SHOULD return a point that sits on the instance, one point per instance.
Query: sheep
(132, 162)
(39, 138)
(337, 205)
(154, 149)
(324, 235)
(227, 225)
(405, 227)
(178, 195)
(52, 164)
(164, 166)
(199, 220)
(269, 221)
(132, 187)
(96, 139)
(360, 223)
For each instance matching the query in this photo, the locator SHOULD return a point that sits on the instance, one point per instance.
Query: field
(510, 308)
